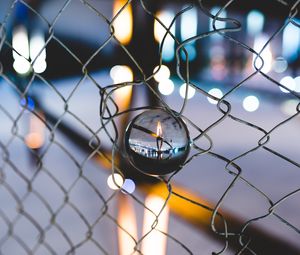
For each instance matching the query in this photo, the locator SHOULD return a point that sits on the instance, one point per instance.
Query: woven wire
(109, 111)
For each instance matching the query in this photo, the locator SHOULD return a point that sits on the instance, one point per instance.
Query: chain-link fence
(63, 121)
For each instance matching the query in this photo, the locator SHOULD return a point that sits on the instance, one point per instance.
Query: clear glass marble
(157, 143)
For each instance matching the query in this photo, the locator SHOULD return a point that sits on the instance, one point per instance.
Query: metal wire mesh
(28, 197)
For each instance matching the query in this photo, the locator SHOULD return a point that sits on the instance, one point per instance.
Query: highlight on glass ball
(157, 143)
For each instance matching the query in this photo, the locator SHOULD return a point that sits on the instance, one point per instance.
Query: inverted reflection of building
(153, 152)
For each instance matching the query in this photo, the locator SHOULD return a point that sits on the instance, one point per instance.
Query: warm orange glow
(123, 97)
(127, 220)
(159, 129)
(124, 22)
(122, 74)
(36, 135)
(104, 159)
(196, 215)
(155, 242)
(34, 140)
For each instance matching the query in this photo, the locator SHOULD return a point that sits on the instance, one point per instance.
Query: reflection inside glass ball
(157, 142)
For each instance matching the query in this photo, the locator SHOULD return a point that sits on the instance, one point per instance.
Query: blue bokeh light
(28, 103)
(128, 186)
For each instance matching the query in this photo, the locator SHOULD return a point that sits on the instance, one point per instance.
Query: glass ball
(157, 143)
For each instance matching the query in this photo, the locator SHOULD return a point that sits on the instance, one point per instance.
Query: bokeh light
(166, 87)
(288, 82)
(182, 91)
(251, 103)
(128, 186)
(162, 74)
(115, 181)
(216, 93)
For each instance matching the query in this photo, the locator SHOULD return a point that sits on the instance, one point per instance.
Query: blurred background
(70, 70)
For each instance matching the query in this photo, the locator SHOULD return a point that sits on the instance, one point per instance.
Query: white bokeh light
(188, 25)
(218, 23)
(280, 65)
(166, 17)
(251, 103)
(40, 66)
(20, 45)
(121, 74)
(290, 41)
(21, 65)
(297, 85)
(265, 60)
(163, 73)
(115, 182)
(182, 90)
(38, 52)
(255, 22)
(216, 93)
(288, 82)
(166, 87)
